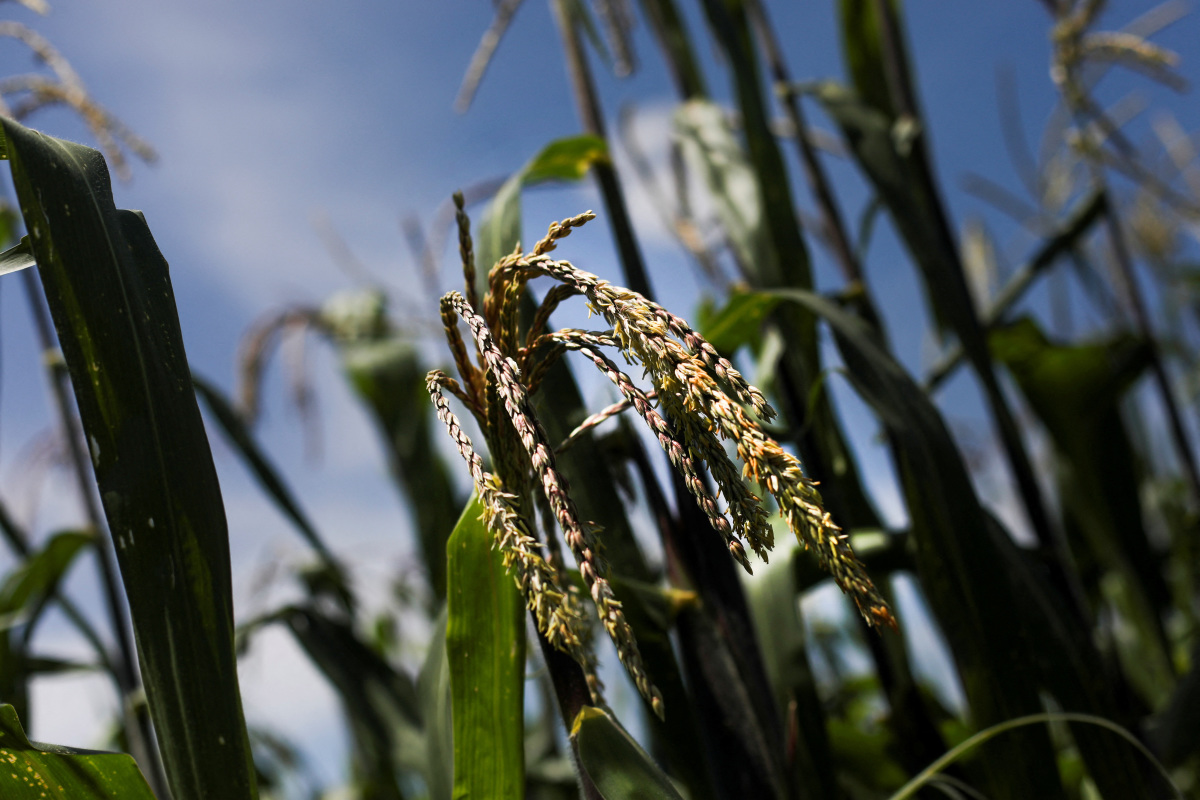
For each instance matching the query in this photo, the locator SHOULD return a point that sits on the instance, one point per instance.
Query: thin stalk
(832, 222)
(571, 690)
(664, 21)
(137, 721)
(1141, 318)
(592, 119)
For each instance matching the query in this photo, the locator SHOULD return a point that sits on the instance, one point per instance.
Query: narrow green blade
(272, 483)
(485, 644)
(37, 576)
(110, 295)
(34, 771)
(17, 257)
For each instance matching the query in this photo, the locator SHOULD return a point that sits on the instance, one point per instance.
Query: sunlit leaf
(566, 159)
(34, 771)
(712, 151)
(485, 647)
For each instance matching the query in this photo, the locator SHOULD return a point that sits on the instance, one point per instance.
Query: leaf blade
(485, 645)
(39, 771)
(113, 306)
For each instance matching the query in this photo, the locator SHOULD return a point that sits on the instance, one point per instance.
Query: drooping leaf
(1075, 391)
(617, 765)
(485, 647)
(24, 595)
(35, 579)
(739, 321)
(110, 296)
(35, 771)
(712, 151)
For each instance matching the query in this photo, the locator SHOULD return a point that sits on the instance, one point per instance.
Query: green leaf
(433, 691)
(238, 434)
(863, 49)
(34, 771)
(485, 645)
(1075, 390)
(566, 159)
(960, 750)
(739, 321)
(777, 619)
(36, 578)
(110, 296)
(1065, 658)
(617, 765)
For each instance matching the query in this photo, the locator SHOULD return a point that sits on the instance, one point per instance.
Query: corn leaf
(244, 444)
(31, 583)
(773, 601)
(17, 257)
(617, 765)
(566, 159)
(35, 771)
(110, 296)
(485, 646)
(712, 150)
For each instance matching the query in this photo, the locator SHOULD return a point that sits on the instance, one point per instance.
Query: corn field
(619, 600)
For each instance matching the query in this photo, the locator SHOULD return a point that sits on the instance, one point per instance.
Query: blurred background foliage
(1079, 593)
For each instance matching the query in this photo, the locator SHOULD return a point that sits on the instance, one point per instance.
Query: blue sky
(269, 115)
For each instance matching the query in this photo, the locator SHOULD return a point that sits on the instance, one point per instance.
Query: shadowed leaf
(617, 765)
(110, 296)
